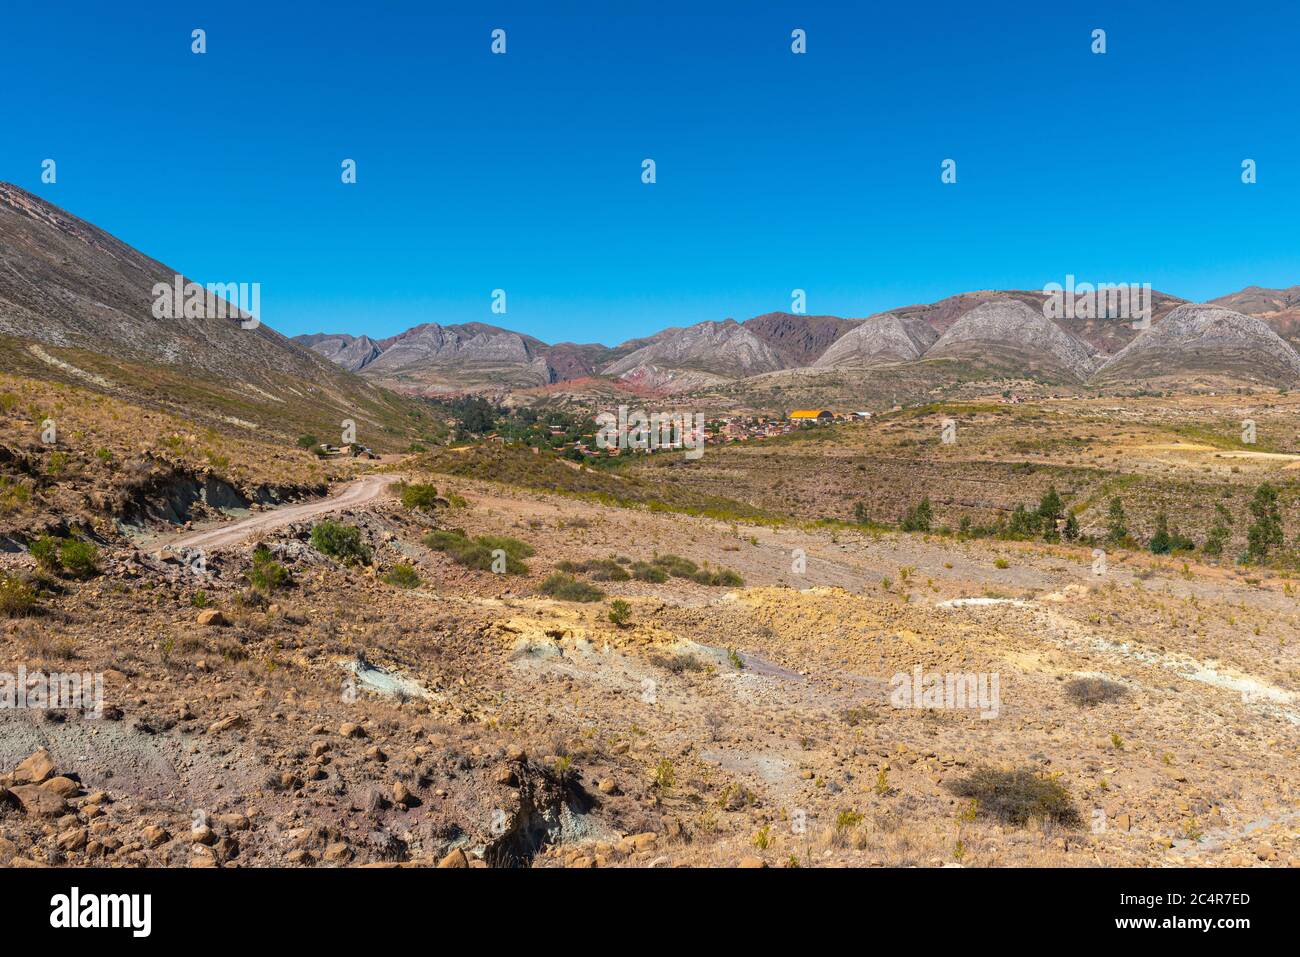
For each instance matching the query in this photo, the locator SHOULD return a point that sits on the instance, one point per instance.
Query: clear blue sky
(775, 171)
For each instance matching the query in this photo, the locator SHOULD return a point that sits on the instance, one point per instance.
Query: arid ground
(393, 700)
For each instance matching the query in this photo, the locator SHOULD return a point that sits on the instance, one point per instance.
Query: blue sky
(775, 171)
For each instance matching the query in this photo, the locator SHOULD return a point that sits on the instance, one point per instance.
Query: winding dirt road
(365, 489)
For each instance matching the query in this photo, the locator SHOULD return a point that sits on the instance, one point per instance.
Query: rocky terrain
(1146, 716)
(883, 338)
(799, 340)
(1280, 308)
(1209, 340)
(435, 358)
(76, 306)
(1105, 335)
(722, 349)
(353, 353)
(1013, 334)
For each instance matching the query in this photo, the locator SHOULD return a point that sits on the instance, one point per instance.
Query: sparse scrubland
(782, 654)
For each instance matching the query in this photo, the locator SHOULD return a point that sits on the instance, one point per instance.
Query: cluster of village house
(736, 428)
(723, 430)
(354, 449)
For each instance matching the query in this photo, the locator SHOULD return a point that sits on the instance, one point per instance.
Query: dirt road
(363, 490)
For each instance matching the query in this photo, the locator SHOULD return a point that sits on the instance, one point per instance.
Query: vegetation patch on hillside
(488, 553)
(545, 472)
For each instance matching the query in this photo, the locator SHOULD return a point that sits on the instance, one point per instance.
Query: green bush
(1017, 797)
(1048, 514)
(1116, 522)
(718, 577)
(45, 550)
(679, 663)
(444, 539)
(645, 572)
(860, 513)
(1164, 541)
(13, 495)
(1265, 533)
(79, 559)
(308, 441)
(419, 495)
(477, 553)
(267, 575)
(656, 571)
(598, 569)
(918, 519)
(340, 541)
(567, 588)
(620, 612)
(679, 567)
(511, 546)
(1023, 522)
(1217, 537)
(16, 597)
(69, 556)
(402, 576)
(676, 566)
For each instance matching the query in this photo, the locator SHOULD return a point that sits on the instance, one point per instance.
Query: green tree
(474, 415)
(918, 519)
(1049, 512)
(1023, 522)
(1217, 537)
(1116, 522)
(1167, 540)
(1265, 532)
(1161, 542)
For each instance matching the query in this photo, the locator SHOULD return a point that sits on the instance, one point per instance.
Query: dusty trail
(360, 492)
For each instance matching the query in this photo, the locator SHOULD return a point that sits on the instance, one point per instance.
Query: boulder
(338, 853)
(37, 768)
(62, 786)
(38, 802)
(456, 858)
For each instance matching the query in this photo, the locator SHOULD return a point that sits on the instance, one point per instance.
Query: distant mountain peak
(1013, 332)
(881, 338)
(1206, 339)
(798, 339)
(710, 350)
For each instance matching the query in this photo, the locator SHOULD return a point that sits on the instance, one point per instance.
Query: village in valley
(577, 437)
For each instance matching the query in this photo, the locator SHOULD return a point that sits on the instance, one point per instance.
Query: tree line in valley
(1051, 521)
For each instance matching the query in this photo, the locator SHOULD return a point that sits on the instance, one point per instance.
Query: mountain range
(78, 304)
(1247, 337)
